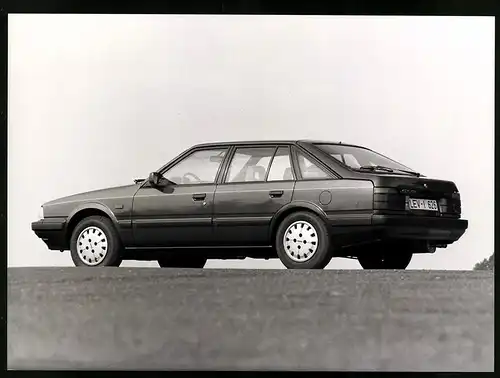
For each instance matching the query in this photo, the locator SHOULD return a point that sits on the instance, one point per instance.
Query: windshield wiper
(387, 169)
(376, 168)
(410, 172)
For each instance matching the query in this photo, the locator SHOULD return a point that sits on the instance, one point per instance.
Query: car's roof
(264, 141)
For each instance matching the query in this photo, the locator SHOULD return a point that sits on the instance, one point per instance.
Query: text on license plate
(422, 204)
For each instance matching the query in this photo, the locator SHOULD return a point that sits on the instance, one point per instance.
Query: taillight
(388, 199)
(456, 203)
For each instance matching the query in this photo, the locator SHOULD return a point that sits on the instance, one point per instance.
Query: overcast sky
(98, 100)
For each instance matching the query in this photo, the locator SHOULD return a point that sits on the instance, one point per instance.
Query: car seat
(255, 173)
(288, 174)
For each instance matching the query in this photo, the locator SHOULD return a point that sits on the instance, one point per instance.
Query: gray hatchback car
(303, 202)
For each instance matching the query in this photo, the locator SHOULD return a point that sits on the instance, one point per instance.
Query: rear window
(357, 157)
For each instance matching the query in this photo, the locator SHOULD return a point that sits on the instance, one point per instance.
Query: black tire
(319, 258)
(394, 256)
(182, 260)
(113, 248)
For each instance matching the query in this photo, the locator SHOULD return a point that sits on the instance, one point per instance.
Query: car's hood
(97, 195)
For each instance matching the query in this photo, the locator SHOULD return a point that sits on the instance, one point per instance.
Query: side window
(200, 167)
(250, 164)
(281, 168)
(310, 170)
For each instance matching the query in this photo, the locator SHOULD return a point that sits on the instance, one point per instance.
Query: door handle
(275, 193)
(199, 196)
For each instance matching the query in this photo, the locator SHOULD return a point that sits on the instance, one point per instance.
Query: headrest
(288, 174)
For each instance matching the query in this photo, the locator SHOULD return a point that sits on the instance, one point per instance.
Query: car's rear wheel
(95, 242)
(386, 256)
(182, 260)
(303, 241)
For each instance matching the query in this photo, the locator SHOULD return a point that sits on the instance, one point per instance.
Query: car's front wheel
(303, 241)
(95, 242)
(182, 260)
(386, 256)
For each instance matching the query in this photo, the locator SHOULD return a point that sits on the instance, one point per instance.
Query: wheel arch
(87, 210)
(293, 208)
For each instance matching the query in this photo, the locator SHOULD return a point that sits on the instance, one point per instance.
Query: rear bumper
(52, 232)
(446, 230)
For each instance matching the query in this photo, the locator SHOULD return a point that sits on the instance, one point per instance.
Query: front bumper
(445, 230)
(52, 231)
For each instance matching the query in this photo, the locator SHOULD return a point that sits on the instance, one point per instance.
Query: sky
(98, 100)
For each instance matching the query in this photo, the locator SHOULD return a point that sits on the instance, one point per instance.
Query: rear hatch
(416, 196)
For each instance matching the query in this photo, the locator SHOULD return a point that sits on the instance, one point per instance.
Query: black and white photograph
(250, 192)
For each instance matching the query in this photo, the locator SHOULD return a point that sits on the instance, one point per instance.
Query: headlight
(40, 213)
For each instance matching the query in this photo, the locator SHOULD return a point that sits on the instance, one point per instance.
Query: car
(302, 201)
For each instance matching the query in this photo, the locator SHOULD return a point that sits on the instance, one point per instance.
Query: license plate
(422, 204)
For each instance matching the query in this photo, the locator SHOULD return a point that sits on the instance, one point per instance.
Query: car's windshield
(357, 157)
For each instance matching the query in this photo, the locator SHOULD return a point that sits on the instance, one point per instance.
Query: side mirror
(154, 179)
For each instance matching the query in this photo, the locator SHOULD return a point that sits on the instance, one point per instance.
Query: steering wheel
(192, 175)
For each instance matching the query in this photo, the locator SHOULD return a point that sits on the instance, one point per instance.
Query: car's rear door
(257, 182)
(180, 214)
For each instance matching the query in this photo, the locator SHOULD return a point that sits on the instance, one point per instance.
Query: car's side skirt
(212, 252)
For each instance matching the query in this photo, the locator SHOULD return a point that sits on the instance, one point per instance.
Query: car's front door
(179, 214)
(258, 182)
